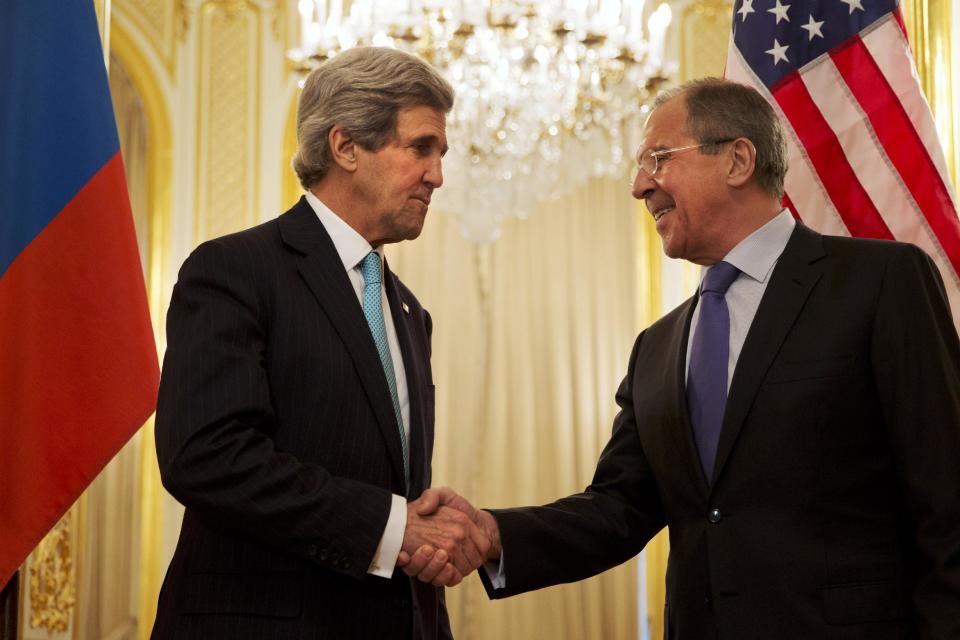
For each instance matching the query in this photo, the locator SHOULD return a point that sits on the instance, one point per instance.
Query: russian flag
(78, 361)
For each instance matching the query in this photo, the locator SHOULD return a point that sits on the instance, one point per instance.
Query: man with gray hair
(795, 424)
(296, 407)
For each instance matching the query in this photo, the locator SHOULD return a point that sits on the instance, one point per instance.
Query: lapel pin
(406, 309)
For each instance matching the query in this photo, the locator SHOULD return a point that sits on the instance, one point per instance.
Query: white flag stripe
(803, 186)
(890, 50)
(867, 157)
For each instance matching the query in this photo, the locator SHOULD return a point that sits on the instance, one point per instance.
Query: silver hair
(362, 90)
(719, 109)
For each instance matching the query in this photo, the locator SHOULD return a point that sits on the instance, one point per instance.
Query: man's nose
(643, 185)
(434, 174)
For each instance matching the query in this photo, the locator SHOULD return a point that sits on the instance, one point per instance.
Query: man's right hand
(441, 544)
(472, 531)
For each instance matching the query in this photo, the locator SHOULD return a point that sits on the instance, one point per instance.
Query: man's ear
(343, 149)
(743, 162)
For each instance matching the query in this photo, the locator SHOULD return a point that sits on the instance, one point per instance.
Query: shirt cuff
(494, 569)
(385, 558)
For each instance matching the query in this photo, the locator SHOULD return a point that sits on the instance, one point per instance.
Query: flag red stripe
(903, 146)
(849, 197)
(69, 304)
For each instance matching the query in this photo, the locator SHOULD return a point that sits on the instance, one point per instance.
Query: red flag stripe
(868, 158)
(904, 148)
(851, 200)
(72, 297)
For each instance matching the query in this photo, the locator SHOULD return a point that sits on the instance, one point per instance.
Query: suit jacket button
(714, 516)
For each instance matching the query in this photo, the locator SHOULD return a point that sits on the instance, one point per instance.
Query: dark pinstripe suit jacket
(276, 430)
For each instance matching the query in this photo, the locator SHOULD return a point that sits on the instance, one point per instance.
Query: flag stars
(745, 8)
(779, 52)
(853, 4)
(813, 28)
(780, 10)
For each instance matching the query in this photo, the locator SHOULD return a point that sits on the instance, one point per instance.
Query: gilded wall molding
(929, 30)
(291, 189)
(51, 580)
(161, 22)
(227, 108)
(704, 34)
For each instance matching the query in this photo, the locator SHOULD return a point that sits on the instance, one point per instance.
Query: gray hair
(719, 109)
(362, 90)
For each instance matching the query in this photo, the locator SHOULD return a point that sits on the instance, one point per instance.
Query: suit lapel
(322, 270)
(793, 278)
(413, 367)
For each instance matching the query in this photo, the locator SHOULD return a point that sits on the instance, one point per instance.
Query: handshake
(446, 538)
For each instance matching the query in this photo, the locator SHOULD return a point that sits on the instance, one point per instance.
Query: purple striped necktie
(709, 353)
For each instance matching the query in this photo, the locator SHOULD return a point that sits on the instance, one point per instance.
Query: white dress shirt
(352, 249)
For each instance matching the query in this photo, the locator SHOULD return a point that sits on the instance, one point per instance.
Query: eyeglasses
(651, 161)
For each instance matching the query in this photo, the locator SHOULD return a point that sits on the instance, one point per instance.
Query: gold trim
(21, 602)
(715, 12)
(81, 559)
(159, 197)
(163, 37)
(928, 27)
(52, 577)
(290, 189)
(253, 14)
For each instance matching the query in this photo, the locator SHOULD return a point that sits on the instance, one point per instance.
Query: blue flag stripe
(56, 120)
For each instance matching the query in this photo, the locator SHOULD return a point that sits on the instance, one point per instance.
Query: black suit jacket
(834, 508)
(276, 430)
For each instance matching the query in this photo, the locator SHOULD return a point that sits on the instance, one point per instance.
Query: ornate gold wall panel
(162, 22)
(51, 578)
(227, 145)
(704, 33)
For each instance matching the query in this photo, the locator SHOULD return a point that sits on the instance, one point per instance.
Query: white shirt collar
(756, 254)
(351, 246)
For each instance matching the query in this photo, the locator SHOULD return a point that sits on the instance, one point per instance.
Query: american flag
(864, 155)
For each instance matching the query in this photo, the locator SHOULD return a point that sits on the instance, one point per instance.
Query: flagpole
(9, 608)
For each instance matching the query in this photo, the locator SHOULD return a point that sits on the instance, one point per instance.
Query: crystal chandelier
(549, 93)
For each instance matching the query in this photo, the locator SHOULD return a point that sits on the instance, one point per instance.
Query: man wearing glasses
(795, 424)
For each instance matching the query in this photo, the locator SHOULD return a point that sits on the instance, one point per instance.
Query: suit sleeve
(585, 534)
(215, 419)
(916, 362)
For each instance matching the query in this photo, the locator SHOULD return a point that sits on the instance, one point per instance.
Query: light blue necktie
(709, 357)
(372, 270)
